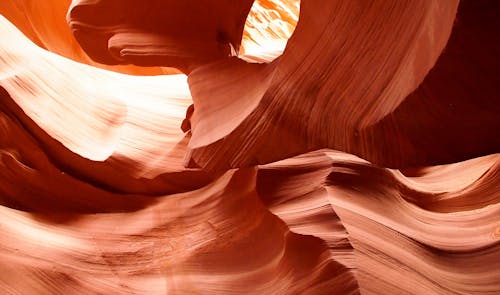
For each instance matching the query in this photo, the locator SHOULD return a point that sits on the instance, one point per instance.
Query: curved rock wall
(312, 147)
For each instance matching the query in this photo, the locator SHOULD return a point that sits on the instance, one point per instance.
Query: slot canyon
(250, 147)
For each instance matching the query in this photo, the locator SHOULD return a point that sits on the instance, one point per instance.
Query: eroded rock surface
(313, 147)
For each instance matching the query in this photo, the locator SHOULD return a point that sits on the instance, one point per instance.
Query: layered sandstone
(312, 147)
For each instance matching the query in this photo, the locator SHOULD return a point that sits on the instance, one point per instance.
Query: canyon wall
(249, 147)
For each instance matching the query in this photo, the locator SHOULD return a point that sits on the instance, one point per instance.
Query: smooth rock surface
(309, 147)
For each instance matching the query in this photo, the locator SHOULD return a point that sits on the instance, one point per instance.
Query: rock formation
(249, 147)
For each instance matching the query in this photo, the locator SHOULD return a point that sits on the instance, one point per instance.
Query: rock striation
(249, 147)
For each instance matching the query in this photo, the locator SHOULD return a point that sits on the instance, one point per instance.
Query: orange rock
(326, 147)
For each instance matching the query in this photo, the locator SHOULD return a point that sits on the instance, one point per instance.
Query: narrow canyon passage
(249, 147)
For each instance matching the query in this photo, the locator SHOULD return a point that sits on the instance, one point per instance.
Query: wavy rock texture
(149, 34)
(268, 27)
(315, 147)
(359, 93)
(44, 23)
(402, 234)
